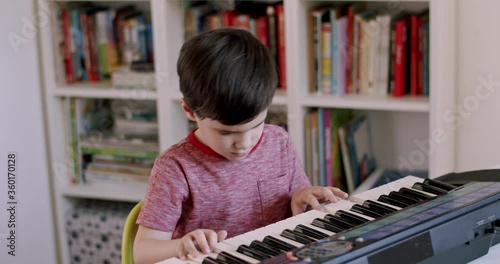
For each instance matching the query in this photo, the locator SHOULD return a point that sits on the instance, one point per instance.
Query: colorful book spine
(281, 52)
(326, 58)
(400, 58)
(413, 41)
(327, 126)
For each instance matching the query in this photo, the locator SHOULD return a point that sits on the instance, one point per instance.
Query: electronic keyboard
(411, 220)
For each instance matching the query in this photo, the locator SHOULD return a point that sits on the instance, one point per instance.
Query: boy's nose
(244, 142)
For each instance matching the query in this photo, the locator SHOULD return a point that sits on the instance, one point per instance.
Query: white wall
(478, 133)
(21, 131)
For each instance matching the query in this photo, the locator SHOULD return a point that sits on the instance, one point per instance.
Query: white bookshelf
(364, 102)
(135, 191)
(398, 121)
(101, 92)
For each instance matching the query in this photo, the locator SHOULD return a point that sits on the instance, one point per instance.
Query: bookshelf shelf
(363, 102)
(102, 91)
(130, 192)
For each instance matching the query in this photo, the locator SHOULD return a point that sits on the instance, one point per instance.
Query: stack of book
(354, 50)
(96, 39)
(117, 161)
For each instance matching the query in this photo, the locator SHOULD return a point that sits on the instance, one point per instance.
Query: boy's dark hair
(226, 75)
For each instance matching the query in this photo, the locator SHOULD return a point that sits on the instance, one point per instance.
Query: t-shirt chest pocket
(274, 196)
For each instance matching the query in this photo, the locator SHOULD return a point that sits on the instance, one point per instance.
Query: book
(346, 158)
(400, 57)
(339, 117)
(113, 177)
(314, 47)
(413, 51)
(123, 148)
(280, 37)
(357, 154)
(351, 44)
(126, 78)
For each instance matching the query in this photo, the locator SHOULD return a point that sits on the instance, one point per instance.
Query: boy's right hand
(203, 240)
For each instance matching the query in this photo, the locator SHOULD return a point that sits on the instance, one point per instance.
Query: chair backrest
(129, 231)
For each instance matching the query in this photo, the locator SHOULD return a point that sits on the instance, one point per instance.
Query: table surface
(493, 256)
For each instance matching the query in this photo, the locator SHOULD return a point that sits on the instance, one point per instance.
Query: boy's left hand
(314, 196)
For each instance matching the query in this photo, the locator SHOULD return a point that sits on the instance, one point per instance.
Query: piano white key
(307, 217)
(340, 205)
(273, 230)
(176, 261)
(223, 246)
(374, 194)
(290, 223)
(246, 239)
(328, 232)
(289, 241)
(200, 258)
(259, 234)
(424, 192)
(238, 241)
(276, 228)
(232, 251)
(390, 205)
(345, 205)
(369, 218)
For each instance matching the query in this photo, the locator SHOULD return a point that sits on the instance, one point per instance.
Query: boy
(233, 174)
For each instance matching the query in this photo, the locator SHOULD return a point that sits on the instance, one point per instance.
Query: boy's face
(233, 142)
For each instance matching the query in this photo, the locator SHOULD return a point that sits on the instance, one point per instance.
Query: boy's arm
(152, 245)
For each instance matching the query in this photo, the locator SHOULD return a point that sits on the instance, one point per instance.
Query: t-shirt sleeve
(298, 176)
(167, 190)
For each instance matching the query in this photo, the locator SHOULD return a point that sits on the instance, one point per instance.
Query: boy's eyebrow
(223, 130)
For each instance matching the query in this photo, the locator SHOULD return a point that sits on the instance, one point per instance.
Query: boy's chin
(235, 156)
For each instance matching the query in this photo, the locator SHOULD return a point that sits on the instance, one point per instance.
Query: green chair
(129, 231)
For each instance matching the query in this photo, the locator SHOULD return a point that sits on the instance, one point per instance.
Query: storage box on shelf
(397, 124)
(94, 230)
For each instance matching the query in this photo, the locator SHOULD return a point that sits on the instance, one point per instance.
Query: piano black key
(439, 184)
(403, 197)
(310, 232)
(428, 188)
(325, 224)
(250, 252)
(416, 194)
(264, 248)
(351, 218)
(272, 241)
(230, 259)
(389, 200)
(210, 260)
(363, 210)
(381, 209)
(296, 236)
(338, 221)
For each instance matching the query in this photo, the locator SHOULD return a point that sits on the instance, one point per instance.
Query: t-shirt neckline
(207, 150)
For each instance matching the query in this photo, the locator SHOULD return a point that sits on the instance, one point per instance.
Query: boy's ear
(190, 115)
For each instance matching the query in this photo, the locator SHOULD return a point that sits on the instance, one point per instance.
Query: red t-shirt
(192, 187)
